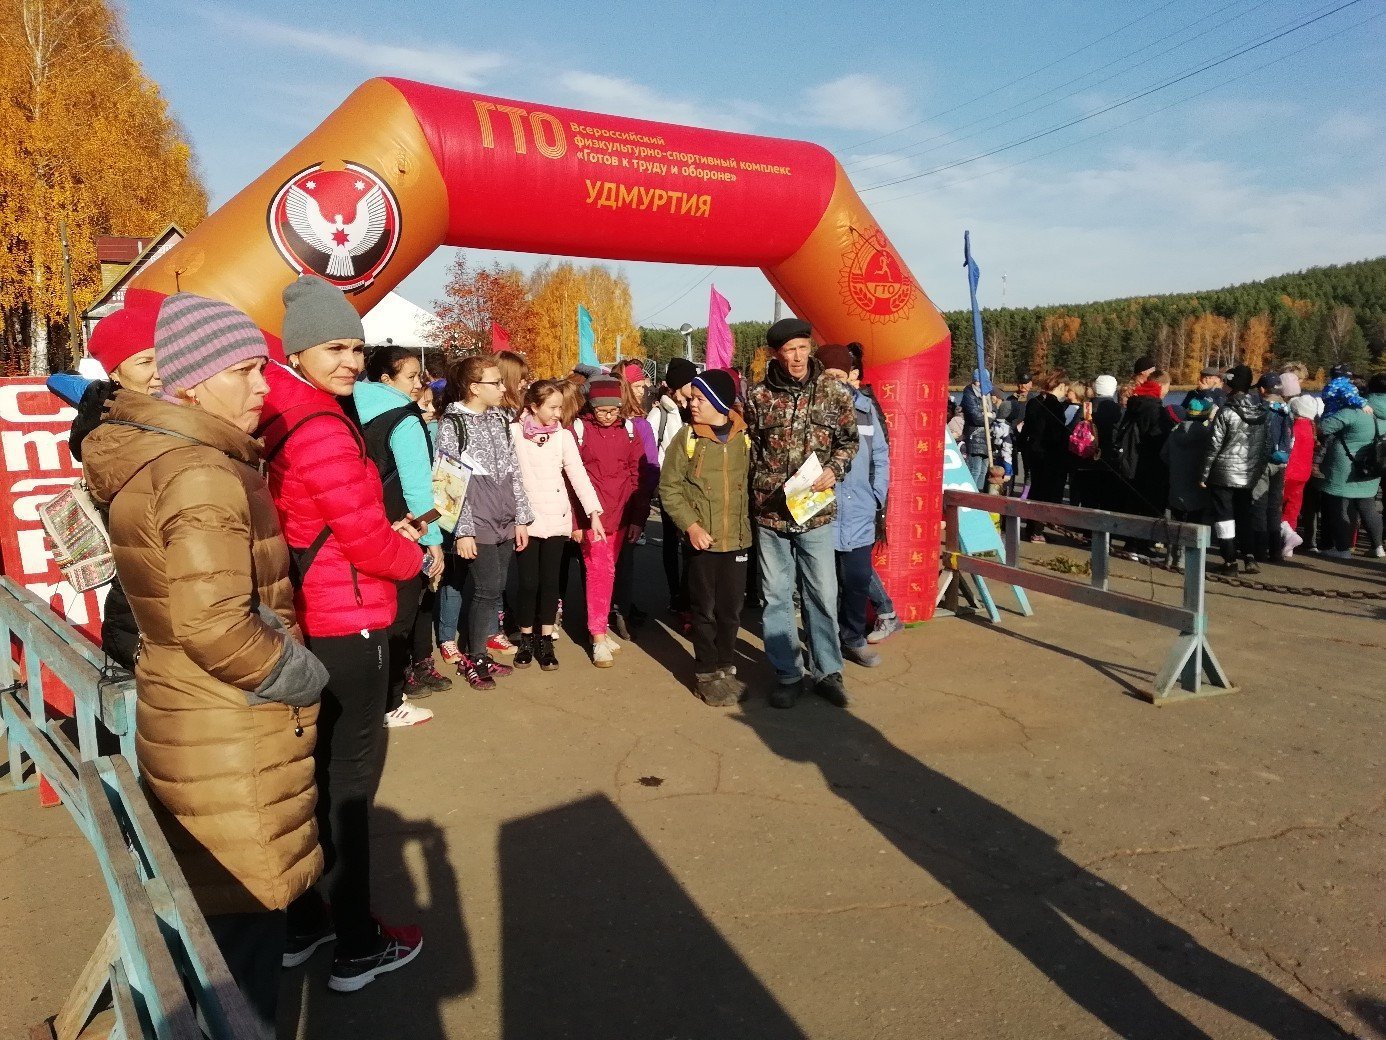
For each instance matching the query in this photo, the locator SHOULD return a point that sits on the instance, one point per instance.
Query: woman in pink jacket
(550, 465)
(347, 557)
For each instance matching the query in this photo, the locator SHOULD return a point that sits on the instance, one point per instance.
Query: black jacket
(1045, 436)
(120, 633)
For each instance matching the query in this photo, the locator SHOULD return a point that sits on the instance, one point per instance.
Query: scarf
(533, 431)
(1148, 389)
(1340, 393)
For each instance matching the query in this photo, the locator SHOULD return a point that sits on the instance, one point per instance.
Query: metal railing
(1189, 662)
(156, 972)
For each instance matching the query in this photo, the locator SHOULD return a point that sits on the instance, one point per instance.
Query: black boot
(524, 649)
(1229, 555)
(543, 650)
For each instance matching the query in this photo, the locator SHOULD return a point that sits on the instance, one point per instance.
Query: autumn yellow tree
(86, 142)
(556, 291)
(1256, 340)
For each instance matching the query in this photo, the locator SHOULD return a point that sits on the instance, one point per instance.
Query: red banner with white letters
(34, 428)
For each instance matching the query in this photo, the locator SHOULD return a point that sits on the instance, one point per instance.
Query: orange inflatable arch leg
(402, 168)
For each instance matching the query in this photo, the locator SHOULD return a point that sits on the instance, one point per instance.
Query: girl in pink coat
(613, 454)
(550, 464)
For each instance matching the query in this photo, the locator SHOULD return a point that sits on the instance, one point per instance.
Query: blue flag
(974, 275)
(587, 339)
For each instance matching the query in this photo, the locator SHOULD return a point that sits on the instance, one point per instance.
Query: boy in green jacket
(703, 487)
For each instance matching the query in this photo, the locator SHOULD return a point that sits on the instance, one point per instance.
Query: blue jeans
(977, 466)
(810, 559)
(450, 596)
(880, 598)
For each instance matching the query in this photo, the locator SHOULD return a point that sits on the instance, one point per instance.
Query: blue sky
(1282, 168)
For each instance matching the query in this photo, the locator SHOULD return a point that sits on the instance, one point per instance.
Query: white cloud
(859, 102)
(625, 97)
(1143, 222)
(433, 64)
(1350, 128)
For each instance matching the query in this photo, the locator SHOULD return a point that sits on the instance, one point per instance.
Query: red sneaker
(499, 644)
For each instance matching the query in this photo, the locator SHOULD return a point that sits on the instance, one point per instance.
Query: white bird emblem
(338, 239)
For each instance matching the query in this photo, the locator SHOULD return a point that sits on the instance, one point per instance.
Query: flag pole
(974, 275)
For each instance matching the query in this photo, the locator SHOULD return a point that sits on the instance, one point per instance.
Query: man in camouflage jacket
(796, 411)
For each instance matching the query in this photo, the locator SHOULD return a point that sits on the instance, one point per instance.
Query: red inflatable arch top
(402, 168)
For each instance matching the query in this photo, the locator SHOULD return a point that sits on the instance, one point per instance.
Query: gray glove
(298, 676)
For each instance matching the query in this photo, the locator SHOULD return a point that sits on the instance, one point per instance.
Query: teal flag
(587, 340)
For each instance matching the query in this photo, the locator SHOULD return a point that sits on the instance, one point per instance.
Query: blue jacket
(867, 480)
(410, 448)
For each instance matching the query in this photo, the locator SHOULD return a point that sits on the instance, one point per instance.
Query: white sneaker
(601, 654)
(1290, 539)
(615, 646)
(1379, 551)
(407, 714)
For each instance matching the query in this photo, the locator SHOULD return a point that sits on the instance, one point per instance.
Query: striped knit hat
(719, 389)
(195, 338)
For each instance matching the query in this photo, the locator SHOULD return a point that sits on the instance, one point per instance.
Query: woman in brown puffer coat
(227, 710)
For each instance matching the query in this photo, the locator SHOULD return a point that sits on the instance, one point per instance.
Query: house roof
(119, 249)
(114, 295)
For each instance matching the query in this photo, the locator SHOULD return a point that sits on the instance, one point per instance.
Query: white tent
(395, 319)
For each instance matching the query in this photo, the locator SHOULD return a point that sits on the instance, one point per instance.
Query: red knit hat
(122, 334)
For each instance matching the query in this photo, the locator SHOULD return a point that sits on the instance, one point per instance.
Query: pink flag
(719, 337)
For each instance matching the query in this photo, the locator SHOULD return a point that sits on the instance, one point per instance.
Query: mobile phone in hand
(427, 518)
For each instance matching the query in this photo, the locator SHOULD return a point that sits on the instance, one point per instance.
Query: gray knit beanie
(315, 312)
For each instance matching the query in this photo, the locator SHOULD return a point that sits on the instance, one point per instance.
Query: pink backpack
(1082, 439)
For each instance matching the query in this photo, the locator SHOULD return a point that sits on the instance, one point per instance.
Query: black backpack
(376, 434)
(1126, 444)
(1370, 462)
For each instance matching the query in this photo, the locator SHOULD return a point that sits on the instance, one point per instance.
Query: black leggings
(252, 945)
(674, 549)
(423, 626)
(1344, 514)
(409, 594)
(537, 602)
(350, 758)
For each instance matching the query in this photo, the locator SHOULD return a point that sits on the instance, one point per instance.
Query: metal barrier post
(1191, 660)
(1101, 557)
(1192, 657)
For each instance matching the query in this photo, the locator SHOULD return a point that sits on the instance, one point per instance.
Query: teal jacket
(410, 446)
(1343, 434)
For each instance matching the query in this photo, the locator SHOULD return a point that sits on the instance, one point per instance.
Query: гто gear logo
(342, 225)
(874, 281)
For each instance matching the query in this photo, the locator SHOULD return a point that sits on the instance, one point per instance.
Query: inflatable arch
(402, 168)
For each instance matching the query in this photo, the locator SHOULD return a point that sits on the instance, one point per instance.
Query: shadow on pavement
(1013, 875)
(1121, 675)
(408, 1003)
(598, 939)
